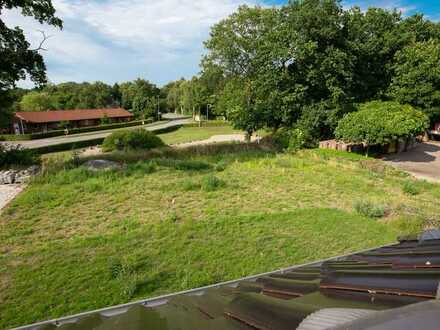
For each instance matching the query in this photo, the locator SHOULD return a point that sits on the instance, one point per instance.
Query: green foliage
(183, 165)
(17, 59)
(290, 139)
(417, 77)
(379, 123)
(305, 64)
(138, 94)
(131, 140)
(411, 188)
(212, 183)
(16, 156)
(369, 209)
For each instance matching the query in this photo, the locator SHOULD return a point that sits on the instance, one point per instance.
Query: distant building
(43, 121)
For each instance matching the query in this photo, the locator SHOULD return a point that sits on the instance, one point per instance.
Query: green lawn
(189, 134)
(76, 241)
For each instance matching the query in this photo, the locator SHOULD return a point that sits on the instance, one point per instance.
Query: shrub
(379, 123)
(410, 188)
(212, 183)
(131, 140)
(17, 156)
(369, 209)
(291, 140)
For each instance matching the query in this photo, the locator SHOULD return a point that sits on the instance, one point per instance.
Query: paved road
(423, 162)
(94, 135)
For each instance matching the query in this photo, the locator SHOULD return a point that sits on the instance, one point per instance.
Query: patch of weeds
(411, 188)
(172, 217)
(190, 185)
(407, 225)
(115, 268)
(220, 166)
(212, 183)
(369, 209)
(141, 168)
(183, 165)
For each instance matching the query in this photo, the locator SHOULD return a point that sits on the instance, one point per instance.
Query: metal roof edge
(155, 301)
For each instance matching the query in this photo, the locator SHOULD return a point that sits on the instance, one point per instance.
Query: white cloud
(128, 37)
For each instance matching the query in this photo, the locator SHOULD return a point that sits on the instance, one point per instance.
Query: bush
(17, 156)
(131, 140)
(212, 183)
(410, 188)
(379, 123)
(368, 209)
(291, 140)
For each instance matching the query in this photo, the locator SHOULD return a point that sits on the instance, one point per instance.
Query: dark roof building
(38, 121)
(392, 287)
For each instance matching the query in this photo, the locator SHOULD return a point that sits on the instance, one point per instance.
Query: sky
(158, 40)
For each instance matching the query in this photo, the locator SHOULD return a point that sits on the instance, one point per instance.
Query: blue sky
(159, 40)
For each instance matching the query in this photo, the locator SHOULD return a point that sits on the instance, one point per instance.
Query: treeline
(303, 66)
(306, 64)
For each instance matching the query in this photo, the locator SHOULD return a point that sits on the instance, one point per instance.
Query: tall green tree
(417, 77)
(17, 59)
(137, 89)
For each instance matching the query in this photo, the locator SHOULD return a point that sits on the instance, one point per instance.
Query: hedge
(60, 132)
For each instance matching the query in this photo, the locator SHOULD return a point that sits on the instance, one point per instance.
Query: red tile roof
(71, 115)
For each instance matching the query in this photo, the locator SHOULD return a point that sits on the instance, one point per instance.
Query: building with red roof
(43, 121)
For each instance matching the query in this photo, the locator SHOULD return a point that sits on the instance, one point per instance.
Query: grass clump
(212, 183)
(369, 209)
(183, 165)
(411, 188)
(132, 140)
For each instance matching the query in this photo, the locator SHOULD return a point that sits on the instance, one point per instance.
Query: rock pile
(18, 176)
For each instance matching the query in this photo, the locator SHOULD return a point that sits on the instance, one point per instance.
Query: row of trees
(308, 63)
(303, 65)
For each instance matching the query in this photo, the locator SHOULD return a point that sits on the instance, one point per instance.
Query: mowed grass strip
(190, 134)
(76, 241)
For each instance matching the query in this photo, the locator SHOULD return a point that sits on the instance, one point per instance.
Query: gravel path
(215, 139)
(8, 192)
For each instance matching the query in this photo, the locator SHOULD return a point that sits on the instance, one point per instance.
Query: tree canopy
(17, 59)
(306, 64)
(417, 77)
(379, 123)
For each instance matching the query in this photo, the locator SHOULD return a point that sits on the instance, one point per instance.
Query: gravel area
(216, 139)
(8, 193)
(423, 162)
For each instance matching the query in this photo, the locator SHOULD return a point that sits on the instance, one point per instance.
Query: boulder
(102, 165)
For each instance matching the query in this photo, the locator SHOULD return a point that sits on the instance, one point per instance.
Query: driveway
(423, 161)
(94, 135)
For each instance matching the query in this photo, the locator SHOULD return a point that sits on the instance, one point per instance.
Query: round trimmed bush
(132, 140)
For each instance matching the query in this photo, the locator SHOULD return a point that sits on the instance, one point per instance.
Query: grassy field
(189, 134)
(76, 241)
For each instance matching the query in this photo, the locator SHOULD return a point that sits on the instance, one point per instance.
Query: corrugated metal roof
(388, 277)
(71, 115)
